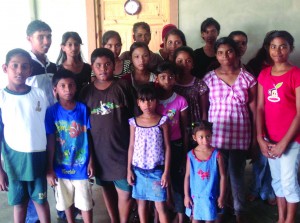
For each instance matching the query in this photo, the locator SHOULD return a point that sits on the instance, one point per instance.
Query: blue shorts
(121, 184)
(147, 185)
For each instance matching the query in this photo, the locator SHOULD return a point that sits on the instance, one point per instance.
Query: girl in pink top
(278, 122)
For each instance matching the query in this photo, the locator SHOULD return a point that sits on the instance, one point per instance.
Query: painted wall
(255, 17)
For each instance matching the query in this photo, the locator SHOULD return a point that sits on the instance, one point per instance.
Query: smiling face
(71, 48)
(140, 58)
(114, 45)
(226, 55)
(103, 68)
(279, 50)
(65, 89)
(40, 42)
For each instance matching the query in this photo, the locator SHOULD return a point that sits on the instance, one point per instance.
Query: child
(26, 143)
(174, 107)
(163, 51)
(70, 162)
(140, 73)
(193, 89)
(70, 58)
(111, 103)
(232, 97)
(278, 122)
(174, 39)
(205, 57)
(142, 33)
(149, 156)
(112, 40)
(204, 182)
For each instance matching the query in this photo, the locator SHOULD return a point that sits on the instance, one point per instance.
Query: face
(279, 50)
(17, 70)
(65, 89)
(103, 68)
(71, 48)
(184, 61)
(166, 80)
(241, 42)
(172, 43)
(226, 55)
(210, 35)
(140, 58)
(40, 42)
(114, 45)
(142, 35)
(203, 137)
(147, 107)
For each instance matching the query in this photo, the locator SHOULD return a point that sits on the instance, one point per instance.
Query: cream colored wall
(255, 17)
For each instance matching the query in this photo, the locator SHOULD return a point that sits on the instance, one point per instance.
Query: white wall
(255, 17)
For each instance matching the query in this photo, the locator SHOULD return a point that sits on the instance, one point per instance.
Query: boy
(23, 136)
(111, 103)
(70, 163)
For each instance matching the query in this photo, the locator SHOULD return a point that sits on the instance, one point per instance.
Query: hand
(188, 202)
(130, 177)
(51, 178)
(164, 180)
(220, 202)
(265, 147)
(276, 150)
(91, 170)
(3, 181)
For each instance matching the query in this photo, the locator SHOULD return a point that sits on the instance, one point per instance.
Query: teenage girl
(112, 40)
(175, 107)
(162, 51)
(193, 89)
(140, 73)
(149, 156)
(174, 39)
(278, 122)
(204, 182)
(70, 58)
(232, 97)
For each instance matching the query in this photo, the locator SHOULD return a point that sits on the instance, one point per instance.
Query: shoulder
(163, 120)
(132, 121)
(249, 78)
(209, 77)
(181, 100)
(156, 57)
(263, 74)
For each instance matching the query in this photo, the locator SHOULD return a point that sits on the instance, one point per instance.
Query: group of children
(142, 131)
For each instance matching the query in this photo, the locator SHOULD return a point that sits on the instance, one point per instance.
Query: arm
(130, 175)
(188, 203)
(183, 127)
(51, 177)
(91, 166)
(3, 175)
(222, 181)
(278, 149)
(165, 176)
(252, 108)
(204, 105)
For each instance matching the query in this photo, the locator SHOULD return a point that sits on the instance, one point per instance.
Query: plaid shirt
(229, 110)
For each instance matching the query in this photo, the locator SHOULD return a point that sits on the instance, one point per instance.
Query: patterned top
(229, 110)
(148, 145)
(192, 93)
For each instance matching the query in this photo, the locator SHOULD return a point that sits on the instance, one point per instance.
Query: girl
(162, 51)
(70, 59)
(232, 97)
(193, 89)
(278, 122)
(174, 39)
(140, 74)
(112, 40)
(204, 182)
(149, 155)
(175, 107)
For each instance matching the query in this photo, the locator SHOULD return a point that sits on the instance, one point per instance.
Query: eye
(283, 47)
(15, 65)
(179, 61)
(177, 43)
(25, 66)
(189, 61)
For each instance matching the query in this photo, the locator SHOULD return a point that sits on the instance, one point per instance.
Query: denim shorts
(147, 185)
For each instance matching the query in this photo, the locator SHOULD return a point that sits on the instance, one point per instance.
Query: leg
(43, 211)
(69, 214)
(143, 207)
(20, 212)
(291, 212)
(110, 197)
(124, 204)
(282, 206)
(87, 216)
(161, 208)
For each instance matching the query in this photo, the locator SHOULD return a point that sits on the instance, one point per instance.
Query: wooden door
(110, 15)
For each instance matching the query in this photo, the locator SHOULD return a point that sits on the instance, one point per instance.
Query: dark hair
(37, 25)
(62, 74)
(65, 37)
(146, 92)
(136, 45)
(166, 66)
(209, 22)
(279, 33)
(18, 51)
(186, 49)
(143, 25)
(227, 41)
(102, 52)
(177, 32)
(202, 126)
(237, 33)
(108, 35)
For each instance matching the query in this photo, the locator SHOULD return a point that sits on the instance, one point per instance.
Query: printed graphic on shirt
(38, 106)
(104, 108)
(171, 114)
(204, 175)
(273, 93)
